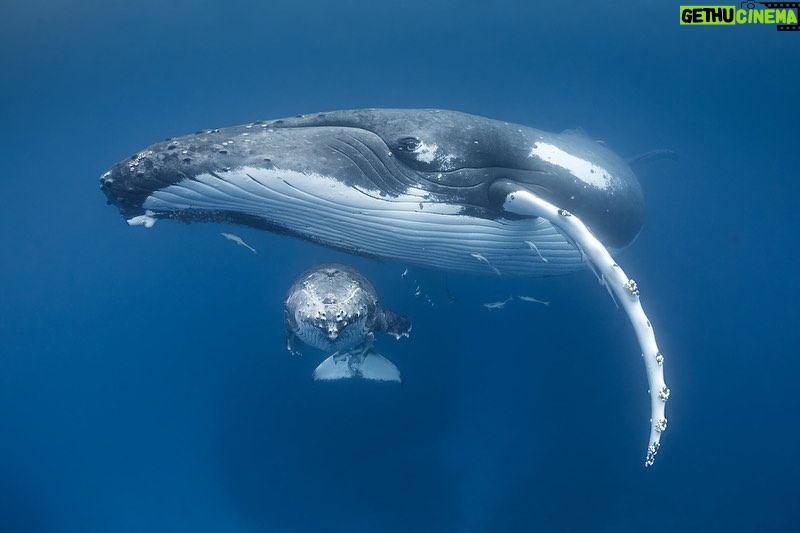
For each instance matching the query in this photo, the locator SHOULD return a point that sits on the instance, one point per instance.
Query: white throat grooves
(626, 292)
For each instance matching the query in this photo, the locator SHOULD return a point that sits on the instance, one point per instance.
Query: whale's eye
(408, 144)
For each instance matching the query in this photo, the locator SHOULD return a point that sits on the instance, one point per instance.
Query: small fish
(498, 305)
(532, 246)
(420, 291)
(532, 299)
(479, 257)
(238, 240)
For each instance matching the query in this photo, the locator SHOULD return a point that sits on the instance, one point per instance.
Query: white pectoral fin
(626, 291)
(359, 363)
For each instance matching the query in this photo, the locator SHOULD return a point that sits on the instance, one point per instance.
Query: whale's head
(331, 307)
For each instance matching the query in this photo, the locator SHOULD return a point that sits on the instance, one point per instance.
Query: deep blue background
(144, 383)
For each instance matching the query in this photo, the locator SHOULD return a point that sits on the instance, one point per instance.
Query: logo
(783, 15)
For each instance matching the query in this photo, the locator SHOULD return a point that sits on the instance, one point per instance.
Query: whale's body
(421, 186)
(433, 188)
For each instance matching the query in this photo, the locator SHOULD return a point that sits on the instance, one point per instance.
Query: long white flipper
(524, 203)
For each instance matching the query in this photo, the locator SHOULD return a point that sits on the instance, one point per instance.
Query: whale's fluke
(358, 363)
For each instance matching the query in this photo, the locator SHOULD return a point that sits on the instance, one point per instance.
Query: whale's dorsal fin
(653, 155)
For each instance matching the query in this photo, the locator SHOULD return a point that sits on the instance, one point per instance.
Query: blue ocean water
(144, 381)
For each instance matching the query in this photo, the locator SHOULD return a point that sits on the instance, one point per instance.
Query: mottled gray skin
(334, 308)
(374, 150)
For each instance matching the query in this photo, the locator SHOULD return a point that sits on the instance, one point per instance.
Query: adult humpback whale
(429, 187)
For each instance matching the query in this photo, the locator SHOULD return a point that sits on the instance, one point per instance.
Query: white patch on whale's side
(584, 170)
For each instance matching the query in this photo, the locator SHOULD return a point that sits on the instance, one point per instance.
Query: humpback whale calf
(333, 307)
(431, 188)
